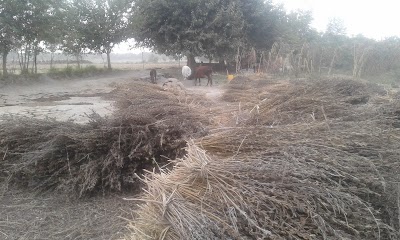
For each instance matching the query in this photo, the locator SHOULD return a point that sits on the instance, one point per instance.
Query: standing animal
(153, 76)
(186, 72)
(202, 72)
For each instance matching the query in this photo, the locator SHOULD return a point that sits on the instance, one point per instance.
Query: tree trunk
(222, 65)
(191, 62)
(28, 57)
(109, 59)
(5, 63)
(51, 59)
(78, 61)
(332, 62)
(238, 61)
(35, 61)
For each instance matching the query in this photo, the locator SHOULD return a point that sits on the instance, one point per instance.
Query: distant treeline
(60, 58)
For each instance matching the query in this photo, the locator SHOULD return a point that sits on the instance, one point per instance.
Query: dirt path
(63, 100)
(75, 99)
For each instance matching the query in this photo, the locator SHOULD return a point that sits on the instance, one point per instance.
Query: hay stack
(317, 101)
(270, 195)
(335, 177)
(246, 90)
(280, 103)
(148, 127)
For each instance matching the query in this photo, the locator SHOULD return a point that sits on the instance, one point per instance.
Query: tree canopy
(24, 24)
(105, 24)
(96, 26)
(204, 28)
(8, 28)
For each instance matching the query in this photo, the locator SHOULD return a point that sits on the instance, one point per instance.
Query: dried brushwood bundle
(286, 193)
(304, 101)
(334, 176)
(245, 90)
(148, 128)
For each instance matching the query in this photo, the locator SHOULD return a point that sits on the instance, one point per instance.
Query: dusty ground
(25, 215)
(74, 99)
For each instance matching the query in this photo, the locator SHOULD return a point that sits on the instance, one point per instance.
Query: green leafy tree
(35, 19)
(59, 23)
(203, 28)
(73, 40)
(262, 23)
(9, 28)
(296, 27)
(105, 24)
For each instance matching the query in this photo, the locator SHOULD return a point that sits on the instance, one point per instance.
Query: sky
(373, 19)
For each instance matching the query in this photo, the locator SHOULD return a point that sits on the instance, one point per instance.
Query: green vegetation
(70, 72)
(215, 29)
(74, 27)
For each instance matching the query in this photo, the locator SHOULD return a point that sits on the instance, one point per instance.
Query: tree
(336, 27)
(297, 28)
(262, 23)
(34, 19)
(73, 41)
(56, 32)
(105, 24)
(202, 28)
(9, 28)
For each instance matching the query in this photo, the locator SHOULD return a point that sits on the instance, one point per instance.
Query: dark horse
(202, 72)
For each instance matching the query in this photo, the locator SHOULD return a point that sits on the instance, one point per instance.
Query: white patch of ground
(63, 100)
(74, 109)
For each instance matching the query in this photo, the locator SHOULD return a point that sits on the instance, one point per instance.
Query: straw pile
(343, 99)
(148, 127)
(332, 177)
(246, 90)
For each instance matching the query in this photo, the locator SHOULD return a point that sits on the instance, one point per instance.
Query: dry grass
(305, 160)
(279, 103)
(270, 195)
(25, 215)
(282, 175)
(149, 127)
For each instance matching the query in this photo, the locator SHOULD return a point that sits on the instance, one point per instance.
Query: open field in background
(390, 79)
(259, 157)
(44, 68)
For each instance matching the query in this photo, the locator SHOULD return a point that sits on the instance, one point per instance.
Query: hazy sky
(374, 19)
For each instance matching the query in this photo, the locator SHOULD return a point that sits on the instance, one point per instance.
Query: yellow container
(230, 77)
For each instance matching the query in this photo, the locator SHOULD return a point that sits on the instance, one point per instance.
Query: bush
(70, 72)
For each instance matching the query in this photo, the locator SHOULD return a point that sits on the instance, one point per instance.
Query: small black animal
(153, 76)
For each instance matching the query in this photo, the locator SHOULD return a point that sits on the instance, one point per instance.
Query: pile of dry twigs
(148, 128)
(330, 176)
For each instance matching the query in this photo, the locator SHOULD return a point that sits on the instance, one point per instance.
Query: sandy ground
(63, 100)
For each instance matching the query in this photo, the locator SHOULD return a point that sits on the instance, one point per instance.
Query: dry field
(255, 158)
